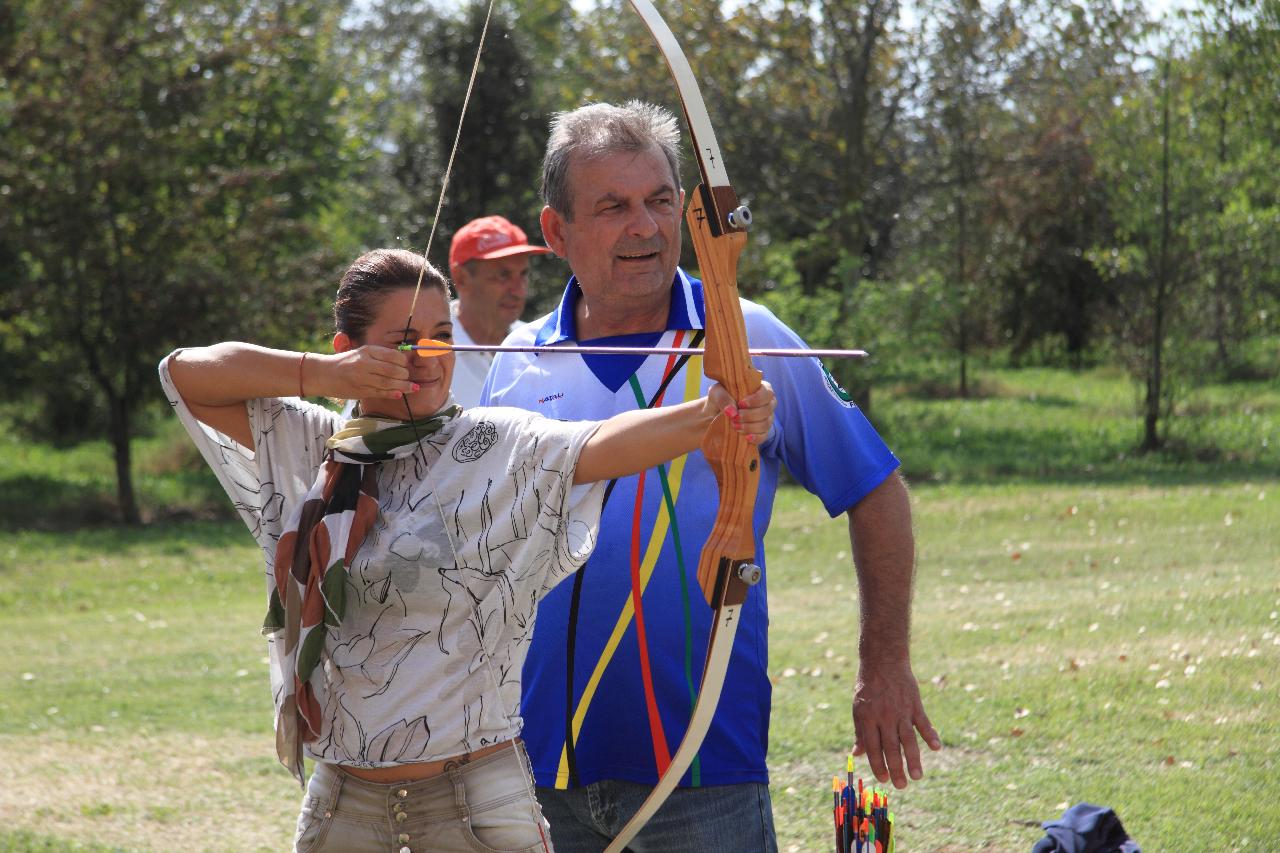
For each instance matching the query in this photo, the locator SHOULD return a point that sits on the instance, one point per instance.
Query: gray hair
(599, 130)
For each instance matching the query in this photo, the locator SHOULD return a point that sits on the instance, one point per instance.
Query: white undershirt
(469, 368)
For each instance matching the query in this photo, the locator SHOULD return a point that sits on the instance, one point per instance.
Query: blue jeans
(716, 819)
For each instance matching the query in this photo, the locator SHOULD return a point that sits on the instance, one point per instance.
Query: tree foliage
(162, 163)
(942, 181)
(1183, 159)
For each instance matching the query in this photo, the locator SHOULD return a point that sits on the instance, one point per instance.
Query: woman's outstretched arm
(215, 381)
(631, 442)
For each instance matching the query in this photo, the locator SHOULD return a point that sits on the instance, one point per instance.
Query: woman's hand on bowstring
(366, 372)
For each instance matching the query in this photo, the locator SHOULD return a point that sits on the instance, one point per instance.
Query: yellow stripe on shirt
(658, 537)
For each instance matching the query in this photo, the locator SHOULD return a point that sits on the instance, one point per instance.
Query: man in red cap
(489, 264)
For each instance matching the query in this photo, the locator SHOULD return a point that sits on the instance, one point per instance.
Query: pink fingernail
(416, 386)
(751, 439)
(731, 411)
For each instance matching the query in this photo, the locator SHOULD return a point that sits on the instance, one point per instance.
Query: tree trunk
(1155, 370)
(1151, 418)
(962, 273)
(1224, 289)
(1151, 413)
(854, 62)
(118, 414)
(120, 442)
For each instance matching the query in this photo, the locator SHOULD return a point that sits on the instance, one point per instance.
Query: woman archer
(406, 552)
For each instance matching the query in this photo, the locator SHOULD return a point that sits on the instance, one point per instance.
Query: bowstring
(408, 326)
(448, 169)
(435, 220)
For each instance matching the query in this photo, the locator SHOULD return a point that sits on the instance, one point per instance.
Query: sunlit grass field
(1113, 644)
(1089, 625)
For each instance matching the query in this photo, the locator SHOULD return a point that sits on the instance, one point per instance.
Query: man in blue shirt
(613, 669)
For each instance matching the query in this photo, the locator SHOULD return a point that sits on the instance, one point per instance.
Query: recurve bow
(726, 570)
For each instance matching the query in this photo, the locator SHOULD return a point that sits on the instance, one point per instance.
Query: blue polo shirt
(617, 652)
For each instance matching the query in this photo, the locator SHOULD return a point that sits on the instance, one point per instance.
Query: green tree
(503, 132)
(414, 63)
(1189, 158)
(1052, 195)
(1150, 262)
(162, 163)
(1237, 134)
(959, 242)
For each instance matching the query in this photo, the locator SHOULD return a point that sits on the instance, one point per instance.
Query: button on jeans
(486, 806)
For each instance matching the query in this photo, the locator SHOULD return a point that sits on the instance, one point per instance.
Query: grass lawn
(1087, 627)
(1112, 644)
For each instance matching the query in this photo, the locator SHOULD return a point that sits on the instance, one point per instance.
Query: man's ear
(342, 342)
(553, 230)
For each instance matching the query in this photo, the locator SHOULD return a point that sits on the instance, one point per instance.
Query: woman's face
(430, 320)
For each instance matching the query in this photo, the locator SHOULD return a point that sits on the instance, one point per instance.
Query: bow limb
(717, 226)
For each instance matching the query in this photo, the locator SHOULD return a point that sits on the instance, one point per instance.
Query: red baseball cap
(487, 238)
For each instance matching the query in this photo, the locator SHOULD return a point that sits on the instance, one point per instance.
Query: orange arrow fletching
(431, 348)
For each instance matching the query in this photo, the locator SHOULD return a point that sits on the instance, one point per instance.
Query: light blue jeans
(486, 806)
(715, 819)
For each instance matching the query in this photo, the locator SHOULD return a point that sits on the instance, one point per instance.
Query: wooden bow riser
(735, 463)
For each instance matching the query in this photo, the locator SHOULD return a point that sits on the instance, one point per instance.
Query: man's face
(495, 288)
(623, 242)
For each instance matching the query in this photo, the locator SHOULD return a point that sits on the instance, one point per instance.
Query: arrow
(429, 348)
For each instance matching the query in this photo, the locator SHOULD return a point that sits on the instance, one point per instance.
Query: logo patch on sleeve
(833, 388)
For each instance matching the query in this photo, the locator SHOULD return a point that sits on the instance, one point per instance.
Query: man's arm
(887, 709)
